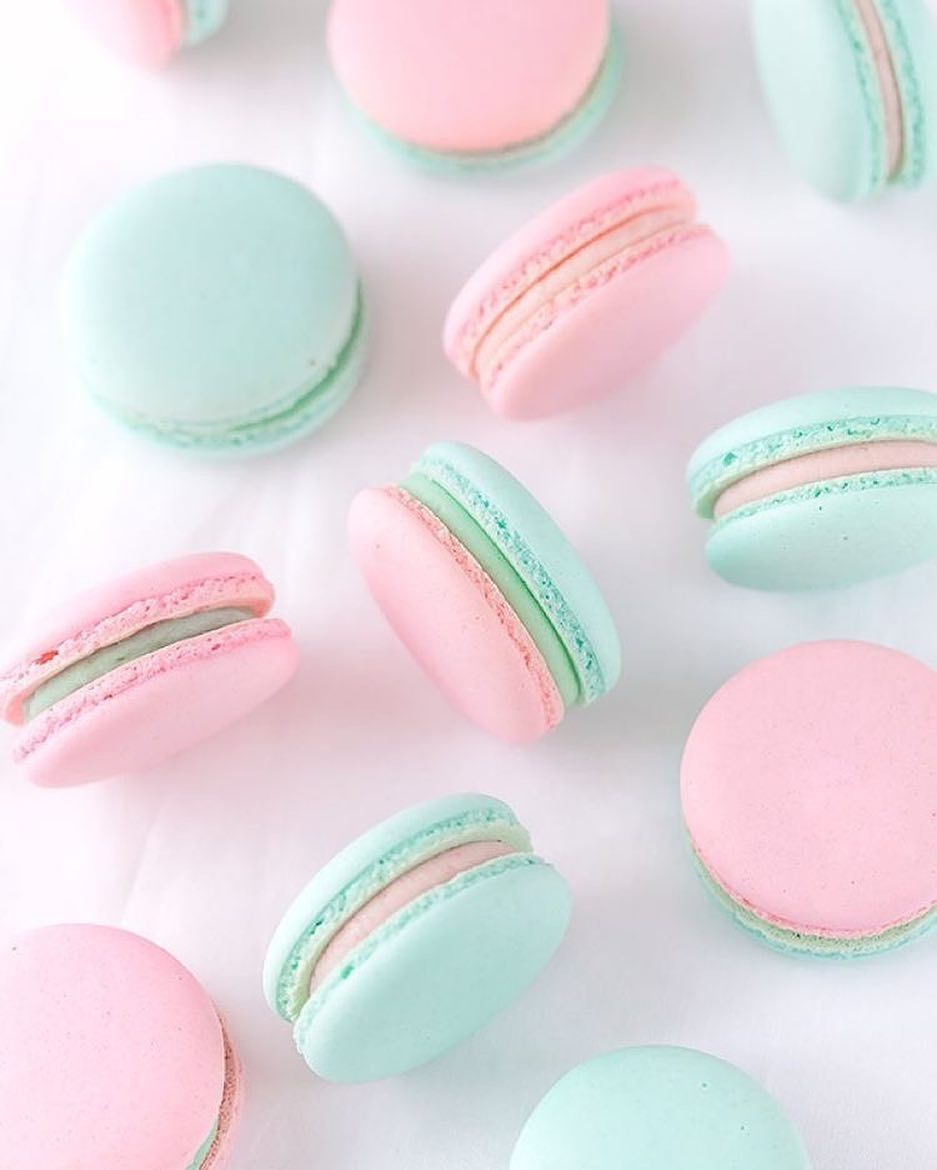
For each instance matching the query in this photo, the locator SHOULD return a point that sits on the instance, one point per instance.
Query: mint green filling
(146, 641)
(469, 533)
(202, 1152)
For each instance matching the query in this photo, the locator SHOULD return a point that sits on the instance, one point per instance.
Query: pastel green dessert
(413, 937)
(658, 1108)
(203, 18)
(822, 490)
(217, 310)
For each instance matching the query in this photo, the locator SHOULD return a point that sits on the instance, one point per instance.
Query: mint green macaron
(822, 490)
(217, 310)
(852, 88)
(658, 1108)
(414, 937)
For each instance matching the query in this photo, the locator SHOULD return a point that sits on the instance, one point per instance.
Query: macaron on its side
(185, 647)
(216, 309)
(114, 1055)
(911, 32)
(217, 1150)
(807, 790)
(658, 1108)
(615, 271)
(426, 927)
(413, 72)
(822, 490)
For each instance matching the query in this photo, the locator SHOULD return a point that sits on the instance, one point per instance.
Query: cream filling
(889, 87)
(617, 241)
(832, 463)
(423, 878)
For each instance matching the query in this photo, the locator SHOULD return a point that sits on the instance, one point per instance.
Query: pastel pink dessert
(585, 296)
(113, 1056)
(809, 794)
(131, 672)
(149, 33)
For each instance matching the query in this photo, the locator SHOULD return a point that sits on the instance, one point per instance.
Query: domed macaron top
(216, 309)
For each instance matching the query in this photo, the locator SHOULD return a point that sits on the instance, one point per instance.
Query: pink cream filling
(400, 893)
(833, 463)
(887, 80)
(615, 243)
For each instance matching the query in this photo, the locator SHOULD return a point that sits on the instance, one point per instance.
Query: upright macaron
(151, 32)
(468, 84)
(413, 938)
(137, 669)
(822, 490)
(586, 295)
(486, 592)
(658, 1108)
(216, 309)
(112, 1055)
(852, 88)
(809, 790)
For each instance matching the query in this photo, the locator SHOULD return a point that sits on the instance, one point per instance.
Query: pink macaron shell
(110, 612)
(232, 1106)
(610, 327)
(143, 32)
(467, 76)
(112, 1053)
(547, 240)
(808, 785)
(452, 617)
(154, 706)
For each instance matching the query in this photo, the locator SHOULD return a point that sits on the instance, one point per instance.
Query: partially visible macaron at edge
(852, 88)
(658, 1108)
(216, 310)
(113, 1055)
(586, 295)
(150, 32)
(413, 937)
(461, 86)
(486, 592)
(137, 669)
(809, 797)
(821, 490)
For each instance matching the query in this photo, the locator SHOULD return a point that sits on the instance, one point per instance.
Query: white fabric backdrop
(204, 853)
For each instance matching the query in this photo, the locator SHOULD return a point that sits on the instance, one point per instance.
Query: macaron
(413, 938)
(463, 85)
(658, 1108)
(113, 1055)
(822, 490)
(852, 88)
(810, 798)
(485, 592)
(586, 295)
(151, 32)
(216, 309)
(130, 672)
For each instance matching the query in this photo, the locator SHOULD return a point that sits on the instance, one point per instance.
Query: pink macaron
(809, 789)
(139, 668)
(586, 295)
(467, 84)
(111, 1055)
(149, 33)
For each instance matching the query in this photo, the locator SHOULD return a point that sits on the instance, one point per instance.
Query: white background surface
(204, 853)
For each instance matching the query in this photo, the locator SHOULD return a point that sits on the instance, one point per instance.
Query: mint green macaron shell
(203, 18)
(216, 309)
(436, 972)
(658, 1108)
(539, 553)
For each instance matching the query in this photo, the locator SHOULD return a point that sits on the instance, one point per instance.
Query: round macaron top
(112, 1054)
(466, 77)
(119, 608)
(370, 862)
(658, 1108)
(829, 71)
(143, 32)
(808, 787)
(805, 424)
(207, 307)
(542, 556)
